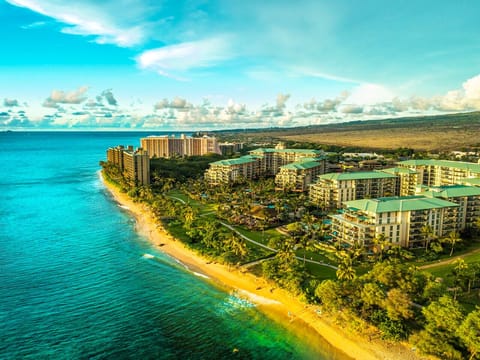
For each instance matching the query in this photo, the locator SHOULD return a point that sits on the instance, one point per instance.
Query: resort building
(399, 219)
(441, 172)
(470, 182)
(366, 165)
(233, 170)
(467, 198)
(331, 190)
(135, 164)
(262, 162)
(171, 146)
(299, 175)
(228, 149)
(115, 155)
(407, 180)
(273, 159)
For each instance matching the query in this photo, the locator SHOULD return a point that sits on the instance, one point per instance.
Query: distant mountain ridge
(432, 133)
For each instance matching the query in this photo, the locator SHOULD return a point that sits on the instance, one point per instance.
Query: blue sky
(176, 64)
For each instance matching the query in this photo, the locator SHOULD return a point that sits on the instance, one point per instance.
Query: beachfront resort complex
(294, 169)
(398, 202)
(441, 195)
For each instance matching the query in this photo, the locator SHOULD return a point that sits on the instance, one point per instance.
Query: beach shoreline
(274, 302)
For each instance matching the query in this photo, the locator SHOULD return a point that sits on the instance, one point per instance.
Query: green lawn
(201, 207)
(321, 272)
(443, 270)
(264, 237)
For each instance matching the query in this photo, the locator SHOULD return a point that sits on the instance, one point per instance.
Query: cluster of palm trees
(435, 244)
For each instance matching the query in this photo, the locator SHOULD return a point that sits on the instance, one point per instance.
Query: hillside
(429, 133)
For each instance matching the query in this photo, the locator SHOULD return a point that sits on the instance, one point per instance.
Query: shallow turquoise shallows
(75, 280)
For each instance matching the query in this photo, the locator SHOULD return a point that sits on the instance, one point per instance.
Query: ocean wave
(200, 275)
(257, 298)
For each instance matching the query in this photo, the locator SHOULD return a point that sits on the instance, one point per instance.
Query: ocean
(77, 281)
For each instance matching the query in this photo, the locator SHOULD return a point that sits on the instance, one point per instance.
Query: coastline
(272, 301)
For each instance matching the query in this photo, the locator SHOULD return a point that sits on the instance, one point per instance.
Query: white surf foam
(200, 275)
(258, 299)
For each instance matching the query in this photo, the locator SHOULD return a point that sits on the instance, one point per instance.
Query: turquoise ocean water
(75, 282)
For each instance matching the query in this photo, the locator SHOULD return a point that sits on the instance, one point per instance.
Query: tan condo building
(233, 170)
(299, 175)
(441, 172)
(135, 164)
(399, 219)
(331, 190)
(171, 146)
(467, 198)
(265, 162)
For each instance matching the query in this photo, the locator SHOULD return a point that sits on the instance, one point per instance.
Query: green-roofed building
(273, 159)
(441, 172)
(470, 181)
(331, 190)
(233, 170)
(299, 175)
(263, 162)
(467, 198)
(399, 218)
(407, 180)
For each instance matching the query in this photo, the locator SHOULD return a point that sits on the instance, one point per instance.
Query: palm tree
(236, 245)
(189, 215)
(380, 242)
(453, 238)
(345, 271)
(428, 234)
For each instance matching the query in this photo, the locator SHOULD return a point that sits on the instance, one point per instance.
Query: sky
(223, 64)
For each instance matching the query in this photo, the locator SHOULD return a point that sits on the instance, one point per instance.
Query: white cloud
(34, 25)
(62, 97)
(472, 88)
(351, 109)
(281, 100)
(108, 95)
(94, 19)
(465, 99)
(370, 94)
(177, 103)
(185, 56)
(10, 102)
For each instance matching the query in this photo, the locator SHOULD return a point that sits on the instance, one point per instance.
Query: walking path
(228, 226)
(272, 249)
(449, 260)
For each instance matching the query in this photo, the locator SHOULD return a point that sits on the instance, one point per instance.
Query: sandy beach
(274, 302)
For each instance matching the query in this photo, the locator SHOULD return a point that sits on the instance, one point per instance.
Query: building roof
(446, 163)
(358, 175)
(470, 181)
(236, 161)
(297, 151)
(301, 165)
(452, 191)
(398, 203)
(399, 170)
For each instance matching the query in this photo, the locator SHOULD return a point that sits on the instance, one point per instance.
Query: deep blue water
(74, 281)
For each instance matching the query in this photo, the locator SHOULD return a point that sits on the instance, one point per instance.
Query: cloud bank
(76, 109)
